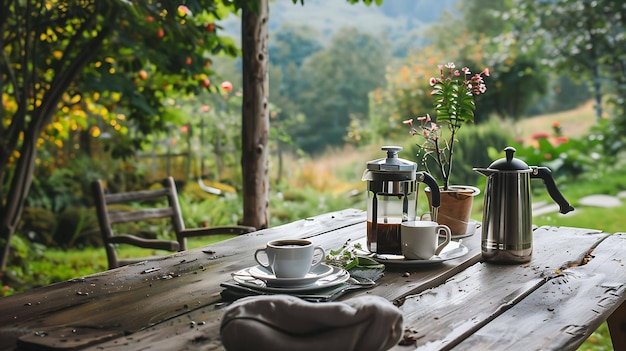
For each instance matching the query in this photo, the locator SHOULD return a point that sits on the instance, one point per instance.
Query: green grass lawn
(97, 260)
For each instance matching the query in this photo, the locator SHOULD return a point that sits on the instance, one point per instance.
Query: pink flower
(432, 81)
(560, 140)
(408, 122)
(424, 118)
(183, 10)
(457, 73)
(486, 71)
(539, 135)
(227, 86)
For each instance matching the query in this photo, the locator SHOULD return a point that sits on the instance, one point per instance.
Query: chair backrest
(107, 218)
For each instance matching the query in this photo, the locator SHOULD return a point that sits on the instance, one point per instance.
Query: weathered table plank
(445, 315)
(573, 303)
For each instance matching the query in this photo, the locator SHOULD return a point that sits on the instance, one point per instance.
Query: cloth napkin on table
(284, 322)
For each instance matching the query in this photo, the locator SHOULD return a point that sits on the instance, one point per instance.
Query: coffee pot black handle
(545, 174)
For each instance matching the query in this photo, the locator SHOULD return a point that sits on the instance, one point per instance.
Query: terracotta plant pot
(456, 206)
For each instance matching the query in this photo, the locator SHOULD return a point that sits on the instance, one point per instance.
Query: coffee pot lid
(509, 163)
(391, 167)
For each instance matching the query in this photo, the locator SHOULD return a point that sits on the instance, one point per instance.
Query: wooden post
(617, 327)
(255, 113)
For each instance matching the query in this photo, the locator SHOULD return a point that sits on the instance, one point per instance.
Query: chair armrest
(235, 229)
(145, 243)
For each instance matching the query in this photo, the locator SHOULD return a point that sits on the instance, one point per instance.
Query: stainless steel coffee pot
(507, 213)
(392, 185)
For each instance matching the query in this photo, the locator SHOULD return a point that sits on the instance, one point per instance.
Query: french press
(392, 185)
(507, 214)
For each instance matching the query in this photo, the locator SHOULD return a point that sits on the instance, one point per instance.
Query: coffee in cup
(290, 258)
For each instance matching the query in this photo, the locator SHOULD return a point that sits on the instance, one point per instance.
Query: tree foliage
(85, 64)
(335, 83)
(581, 38)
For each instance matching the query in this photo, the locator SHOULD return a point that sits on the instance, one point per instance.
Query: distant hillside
(574, 123)
(394, 18)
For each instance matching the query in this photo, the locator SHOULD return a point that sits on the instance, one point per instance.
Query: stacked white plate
(320, 277)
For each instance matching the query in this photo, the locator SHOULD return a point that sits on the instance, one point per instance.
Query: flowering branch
(453, 94)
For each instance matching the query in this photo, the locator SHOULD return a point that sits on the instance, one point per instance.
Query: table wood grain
(553, 302)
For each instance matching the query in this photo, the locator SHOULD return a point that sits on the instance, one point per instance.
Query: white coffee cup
(292, 258)
(420, 239)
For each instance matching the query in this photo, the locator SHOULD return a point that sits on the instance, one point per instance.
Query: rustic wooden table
(553, 302)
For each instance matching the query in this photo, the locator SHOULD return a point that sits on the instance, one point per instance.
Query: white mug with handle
(420, 239)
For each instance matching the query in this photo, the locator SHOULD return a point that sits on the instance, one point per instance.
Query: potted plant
(453, 101)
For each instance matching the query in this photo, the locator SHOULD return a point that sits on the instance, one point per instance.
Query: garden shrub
(38, 225)
(213, 211)
(597, 153)
(474, 143)
(474, 151)
(78, 227)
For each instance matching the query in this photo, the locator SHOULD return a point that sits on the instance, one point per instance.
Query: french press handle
(426, 178)
(435, 194)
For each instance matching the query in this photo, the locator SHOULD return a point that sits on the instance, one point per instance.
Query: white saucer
(451, 251)
(472, 226)
(260, 272)
(338, 276)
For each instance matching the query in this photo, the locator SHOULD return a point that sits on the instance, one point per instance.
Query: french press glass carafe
(392, 185)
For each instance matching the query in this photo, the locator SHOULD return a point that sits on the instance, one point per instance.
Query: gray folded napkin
(283, 322)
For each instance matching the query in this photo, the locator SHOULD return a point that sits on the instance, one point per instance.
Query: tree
(255, 111)
(584, 39)
(111, 58)
(473, 36)
(255, 114)
(293, 44)
(114, 58)
(290, 46)
(335, 83)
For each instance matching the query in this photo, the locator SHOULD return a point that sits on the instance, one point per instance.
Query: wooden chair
(108, 217)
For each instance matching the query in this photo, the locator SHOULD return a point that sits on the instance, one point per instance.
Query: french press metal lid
(390, 168)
